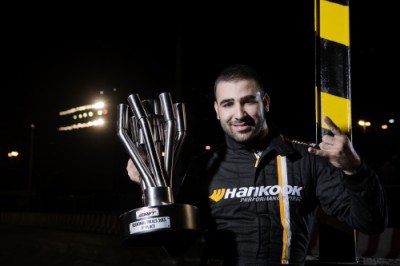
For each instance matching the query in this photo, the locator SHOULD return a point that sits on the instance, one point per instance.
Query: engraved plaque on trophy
(153, 131)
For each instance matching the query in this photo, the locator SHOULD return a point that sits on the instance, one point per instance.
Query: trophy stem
(155, 196)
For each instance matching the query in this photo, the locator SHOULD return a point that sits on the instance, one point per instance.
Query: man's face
(241, 109)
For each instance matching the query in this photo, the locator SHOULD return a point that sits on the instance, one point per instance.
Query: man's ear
(216, 109)
(266, 102)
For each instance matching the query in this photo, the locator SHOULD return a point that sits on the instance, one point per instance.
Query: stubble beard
(240, 136)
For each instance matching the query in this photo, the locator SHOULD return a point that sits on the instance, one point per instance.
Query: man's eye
(250, 102)
(227, 104)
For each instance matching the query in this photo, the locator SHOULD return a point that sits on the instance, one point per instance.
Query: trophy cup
(153, 131)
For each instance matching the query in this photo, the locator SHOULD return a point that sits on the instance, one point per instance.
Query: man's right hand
(133, 173)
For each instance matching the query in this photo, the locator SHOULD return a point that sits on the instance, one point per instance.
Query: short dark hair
(239, 72)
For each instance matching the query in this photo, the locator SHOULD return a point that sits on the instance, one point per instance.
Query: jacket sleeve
(358, 200)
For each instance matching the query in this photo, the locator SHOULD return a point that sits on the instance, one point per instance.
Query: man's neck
(259, 141)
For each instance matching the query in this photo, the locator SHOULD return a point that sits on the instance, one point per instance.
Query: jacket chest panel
(238, 183)
(239, 186)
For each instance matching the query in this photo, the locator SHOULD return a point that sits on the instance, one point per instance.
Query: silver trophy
(153, 132)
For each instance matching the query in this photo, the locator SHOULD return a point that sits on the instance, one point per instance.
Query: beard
(251, 130)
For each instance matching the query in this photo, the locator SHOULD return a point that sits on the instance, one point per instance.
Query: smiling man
(258, 193)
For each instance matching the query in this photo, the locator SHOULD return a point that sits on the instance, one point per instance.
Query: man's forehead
(237, 89)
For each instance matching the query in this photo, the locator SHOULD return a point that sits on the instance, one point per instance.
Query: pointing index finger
(332, 126)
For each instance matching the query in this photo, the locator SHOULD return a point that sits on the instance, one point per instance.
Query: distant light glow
(94, 123)
(207, 147)
(384, 126)
(364, 123)
(391, 121)
(97, 105)
(13, 154)
(81, 114)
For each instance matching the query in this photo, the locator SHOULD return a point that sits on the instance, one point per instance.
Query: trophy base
(156, 225)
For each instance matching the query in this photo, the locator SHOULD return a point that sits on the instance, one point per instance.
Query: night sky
(54, 61)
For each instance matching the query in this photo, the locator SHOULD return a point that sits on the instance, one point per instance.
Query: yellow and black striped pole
(333, 87)
(337, 242)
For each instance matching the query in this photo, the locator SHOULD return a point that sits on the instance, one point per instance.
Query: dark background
(55, 58)
(61, 198)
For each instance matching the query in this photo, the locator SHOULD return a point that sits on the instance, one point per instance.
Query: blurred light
(364, 123)
(97, 105)
(13, 154)
(391, 121)
(207, 147)
(98, 122)
(384, 126)
(94, 123)
(91, 111)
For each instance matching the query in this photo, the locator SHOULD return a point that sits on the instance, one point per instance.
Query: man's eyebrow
(243, 99)
(226, 101)
(248, 97)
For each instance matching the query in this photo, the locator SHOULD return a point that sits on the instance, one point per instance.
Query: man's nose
(240, 112)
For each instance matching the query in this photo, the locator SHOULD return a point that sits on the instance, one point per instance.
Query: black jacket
(264, 215)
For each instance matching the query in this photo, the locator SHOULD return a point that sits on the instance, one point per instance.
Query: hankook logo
(262, 193)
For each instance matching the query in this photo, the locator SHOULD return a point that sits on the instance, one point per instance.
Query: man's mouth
(241, 127)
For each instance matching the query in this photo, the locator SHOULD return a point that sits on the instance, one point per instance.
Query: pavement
(24, 245)
(65, 239)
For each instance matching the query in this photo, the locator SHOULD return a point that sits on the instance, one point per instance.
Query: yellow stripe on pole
(336, 108)
(334, 22)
